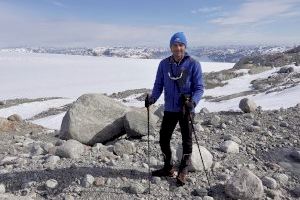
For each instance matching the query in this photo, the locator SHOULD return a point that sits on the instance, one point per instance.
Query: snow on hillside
(47, 75)
(32, 75)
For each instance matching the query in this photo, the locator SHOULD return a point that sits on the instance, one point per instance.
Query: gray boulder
(286, 70)
(196, 164)
(93, 118)
(124, 147)
(247, 105)
(70, 149)
(135, 123)
(269, 182)
(159, 112)
(244, 185)
(2, 103)
(15, 117)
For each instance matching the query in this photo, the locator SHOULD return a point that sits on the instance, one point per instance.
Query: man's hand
(190, 105)
(148, 101)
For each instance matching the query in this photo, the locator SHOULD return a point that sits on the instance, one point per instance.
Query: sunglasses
(175, 78)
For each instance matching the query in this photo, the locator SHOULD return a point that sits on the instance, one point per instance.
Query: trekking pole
(196, 138)
(148, 120)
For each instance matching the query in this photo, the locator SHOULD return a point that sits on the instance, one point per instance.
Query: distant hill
(216, 54)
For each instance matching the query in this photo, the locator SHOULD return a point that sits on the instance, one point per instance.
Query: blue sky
(91, 23)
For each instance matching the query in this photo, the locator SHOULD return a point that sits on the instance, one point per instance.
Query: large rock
(70, 149)
(244, 185)
(159, 112)
(247, 105)
(93, 118)
(135, 123)
(196, 164)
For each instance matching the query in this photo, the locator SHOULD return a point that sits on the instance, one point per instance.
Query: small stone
(200, 192)
(156, 179)
(145, 138)
(15, 117)
(99, 181)
(2, 103)
(2, 188)
(52, 160)
(25, 192)
(68, 197)
(145, 165)
(153, 161)
(36, 149)
(252, 128)
(51, 183)
(124, 147)
(233, 138)
(223, 126)
(281, 178)
(112, 163)
(204, 110)
(223, 177)
(249, 115)
(247, 105)
(9, 160)
(207, 198)
(125, 157)
(229, 146)
(136, 188)
(88, 180)
(49, 147)
(198, 127)
(214, 120)
(70, 149)
(256, 123)
(272, 127)
(284, 124)
(269, 182)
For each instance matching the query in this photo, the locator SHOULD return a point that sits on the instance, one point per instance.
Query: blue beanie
(178, 37)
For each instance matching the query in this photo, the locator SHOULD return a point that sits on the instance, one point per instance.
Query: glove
(148, 101)
(190, 105)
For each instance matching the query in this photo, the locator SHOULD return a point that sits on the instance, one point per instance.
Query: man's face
(178, 49)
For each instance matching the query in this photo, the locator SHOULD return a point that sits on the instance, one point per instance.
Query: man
(180, 76)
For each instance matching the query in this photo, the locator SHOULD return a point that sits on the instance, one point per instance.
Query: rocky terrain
(251, 154)
(101, 149)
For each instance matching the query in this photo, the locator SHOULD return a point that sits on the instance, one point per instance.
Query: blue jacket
(191, 82)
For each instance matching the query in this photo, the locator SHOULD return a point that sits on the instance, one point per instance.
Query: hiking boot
(183, 169)
(181, 178)
(165, 171)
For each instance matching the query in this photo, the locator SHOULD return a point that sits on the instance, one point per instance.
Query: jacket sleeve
(158, 84)
(197, 83)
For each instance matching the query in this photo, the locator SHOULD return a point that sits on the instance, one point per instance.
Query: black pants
(168, 125)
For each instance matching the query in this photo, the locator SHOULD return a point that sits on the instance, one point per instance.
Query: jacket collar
(171, 58)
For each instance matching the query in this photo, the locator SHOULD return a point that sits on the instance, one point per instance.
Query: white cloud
(254, 11)
(207, 10)
(56, 3)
